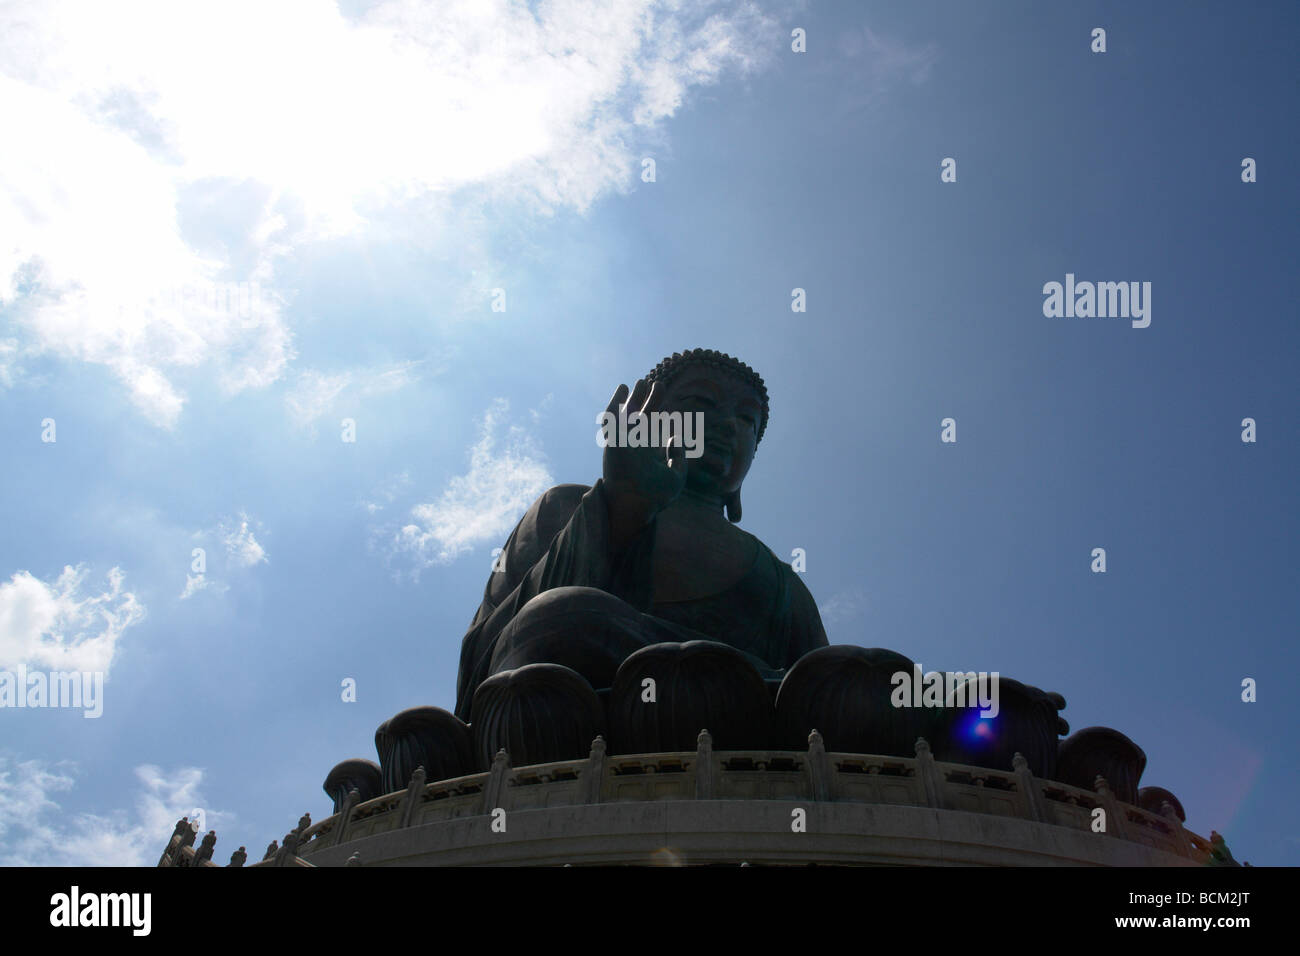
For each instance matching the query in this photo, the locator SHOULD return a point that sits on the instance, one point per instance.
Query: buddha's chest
(693, 562)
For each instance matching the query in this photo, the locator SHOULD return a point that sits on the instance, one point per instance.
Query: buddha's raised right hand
(640, 482)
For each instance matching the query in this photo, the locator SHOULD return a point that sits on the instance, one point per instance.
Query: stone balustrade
(813, 776)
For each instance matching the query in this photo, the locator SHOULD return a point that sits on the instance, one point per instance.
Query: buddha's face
(733, 411)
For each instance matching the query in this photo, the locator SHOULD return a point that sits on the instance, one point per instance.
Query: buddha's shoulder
(754, 542)
(550, 512)
(560, 498)
(766, 563)
(783, 568)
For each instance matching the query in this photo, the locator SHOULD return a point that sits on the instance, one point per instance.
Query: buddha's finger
(655, 398)
(637, 399)
(620, 396)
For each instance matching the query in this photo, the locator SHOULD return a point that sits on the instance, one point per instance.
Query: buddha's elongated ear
(733, 507)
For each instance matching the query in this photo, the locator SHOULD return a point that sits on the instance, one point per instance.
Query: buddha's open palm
(641, 482)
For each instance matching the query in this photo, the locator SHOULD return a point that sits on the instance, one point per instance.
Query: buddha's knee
(538, 713)
(666, 693)
(844, 692)
(573, 601)
(427, 737)
(585, 629)
(363, 776)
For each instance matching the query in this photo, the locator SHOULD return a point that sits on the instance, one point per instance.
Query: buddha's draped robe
(564, 540)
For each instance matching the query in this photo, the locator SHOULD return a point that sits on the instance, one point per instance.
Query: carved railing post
(704, 766)
(594, 776)
(414, 790)
(239, 857)
(185, 842)
(204, 852)
(495, 793)
(344, 818)
(1220, 855)
(929, 774)
(1034, 804)
(288, 850)
(1116, 822)
(819, 768)
(178, 839)
(287, 854)
(1181, 841)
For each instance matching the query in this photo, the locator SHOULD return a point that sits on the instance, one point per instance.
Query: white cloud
(241, 545)
(194, 583)
(388, 491)
(115, 115)
(55, 627)
(34, 831)
(843, 606)
(871, 65)
(505, 476)
(8, 357)
(544, 406)
(315, 393)
(94, 264)
(239, 539)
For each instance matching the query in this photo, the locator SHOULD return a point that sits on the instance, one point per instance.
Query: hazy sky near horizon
(362, 177)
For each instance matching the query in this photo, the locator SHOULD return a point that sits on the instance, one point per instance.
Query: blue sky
(376, 171)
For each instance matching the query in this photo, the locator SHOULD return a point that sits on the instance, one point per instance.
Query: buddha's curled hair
(678, 362)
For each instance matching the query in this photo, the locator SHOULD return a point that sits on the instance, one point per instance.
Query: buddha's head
(733, 400)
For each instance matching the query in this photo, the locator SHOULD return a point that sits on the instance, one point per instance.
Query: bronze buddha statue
(646, 555)
(636, 609)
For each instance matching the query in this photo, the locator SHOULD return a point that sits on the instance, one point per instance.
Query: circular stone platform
(756, 807)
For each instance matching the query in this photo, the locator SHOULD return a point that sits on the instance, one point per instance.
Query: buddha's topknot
(678, 362)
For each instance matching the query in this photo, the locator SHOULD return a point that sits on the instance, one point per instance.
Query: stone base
(758, 832)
